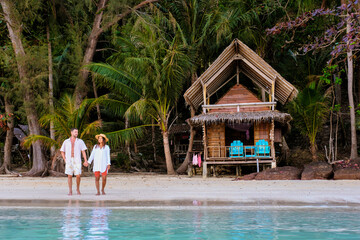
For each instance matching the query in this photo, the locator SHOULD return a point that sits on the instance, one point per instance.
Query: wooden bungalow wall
(216, 140)
(262, 131)
(215, 137)
(239, 94)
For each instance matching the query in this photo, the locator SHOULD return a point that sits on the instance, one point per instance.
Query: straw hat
(103, 136)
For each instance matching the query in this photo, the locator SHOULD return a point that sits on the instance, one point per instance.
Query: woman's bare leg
(103, 184)
(97, 184)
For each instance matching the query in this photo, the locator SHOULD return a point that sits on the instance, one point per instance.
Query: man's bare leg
(78, 184)
(103, 185)
(97, 184)
(70, 184)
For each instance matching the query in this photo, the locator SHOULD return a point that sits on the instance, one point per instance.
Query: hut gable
(238, 94)
(238, 57)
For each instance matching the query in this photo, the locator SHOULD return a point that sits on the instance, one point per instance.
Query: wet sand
(142, 189)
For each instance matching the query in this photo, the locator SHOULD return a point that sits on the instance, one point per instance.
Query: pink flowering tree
(342, 36)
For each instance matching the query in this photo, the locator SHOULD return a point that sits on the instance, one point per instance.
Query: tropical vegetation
(121, 67)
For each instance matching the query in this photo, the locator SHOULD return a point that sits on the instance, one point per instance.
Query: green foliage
(328, 73)
(150, 78)
(65, 117)
(309, 110)
(122, 160)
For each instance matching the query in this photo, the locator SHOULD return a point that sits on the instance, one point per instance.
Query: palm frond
(116, 79)
(123, 136)
(91, 128)
(46, 141)
(118, 108)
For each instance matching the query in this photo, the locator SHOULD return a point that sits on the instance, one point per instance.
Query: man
(71, 151)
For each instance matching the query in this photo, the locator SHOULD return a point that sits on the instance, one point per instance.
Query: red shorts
(97, 173)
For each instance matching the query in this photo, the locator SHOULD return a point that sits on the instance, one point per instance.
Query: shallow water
(179, 222)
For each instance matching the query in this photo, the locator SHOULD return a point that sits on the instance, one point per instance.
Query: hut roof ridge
(251, 64)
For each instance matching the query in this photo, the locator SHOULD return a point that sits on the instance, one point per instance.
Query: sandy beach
(153, 187)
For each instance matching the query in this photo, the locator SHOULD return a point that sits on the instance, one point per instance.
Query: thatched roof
(239, 117)
(237, 54)
(179, 128)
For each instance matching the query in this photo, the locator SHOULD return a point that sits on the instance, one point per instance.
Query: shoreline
(142, 190)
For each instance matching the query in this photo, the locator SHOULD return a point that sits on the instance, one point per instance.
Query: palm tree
(65, 117)
(309, 111)
(151, 75)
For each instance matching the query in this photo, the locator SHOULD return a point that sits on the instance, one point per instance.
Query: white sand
(148, 187)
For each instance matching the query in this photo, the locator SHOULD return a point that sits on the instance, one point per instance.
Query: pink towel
(199, 160)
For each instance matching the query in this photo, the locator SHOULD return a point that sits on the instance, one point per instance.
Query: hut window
(240, 131)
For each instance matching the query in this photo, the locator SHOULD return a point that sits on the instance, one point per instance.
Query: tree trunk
(285, 149)
(96, 96)
(153, 138)
(51, 90)
(96, 31)
(183, 167)
(323, 4)
(350, 75)
(169, 164)
(127, 144)
(6, 166)
(313, 151)
(14, 28)
(81, 88)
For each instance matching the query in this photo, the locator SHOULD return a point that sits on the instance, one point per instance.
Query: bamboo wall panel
(216, 140)
(262, 131)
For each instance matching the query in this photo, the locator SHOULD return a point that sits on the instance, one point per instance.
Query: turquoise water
(227, 222)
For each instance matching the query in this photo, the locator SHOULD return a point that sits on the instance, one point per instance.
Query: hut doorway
(239, 131)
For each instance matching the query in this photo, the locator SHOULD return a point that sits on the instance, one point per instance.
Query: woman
(101, 156)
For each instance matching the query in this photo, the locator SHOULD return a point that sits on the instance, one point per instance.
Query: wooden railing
(238, 152)
(271, 105)
(181, 148)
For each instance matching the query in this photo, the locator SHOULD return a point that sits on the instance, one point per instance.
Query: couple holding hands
(71, 151)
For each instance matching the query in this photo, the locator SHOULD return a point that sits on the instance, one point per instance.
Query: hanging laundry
(195, 159)
(199, 159)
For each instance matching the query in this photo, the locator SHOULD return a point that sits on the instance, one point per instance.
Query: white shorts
(73, 167)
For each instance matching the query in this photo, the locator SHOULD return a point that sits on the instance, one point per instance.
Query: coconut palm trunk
(183, 167)
(313, 151)
(168, 159)
(51, 89)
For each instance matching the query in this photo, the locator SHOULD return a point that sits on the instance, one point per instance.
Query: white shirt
(78, 147)
(101, 157)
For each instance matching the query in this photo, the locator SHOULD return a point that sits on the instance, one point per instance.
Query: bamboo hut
(240, 128)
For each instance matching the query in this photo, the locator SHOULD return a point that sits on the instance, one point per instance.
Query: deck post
(204, 169)
(257, 165)
(205, 151)
(272, 138)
